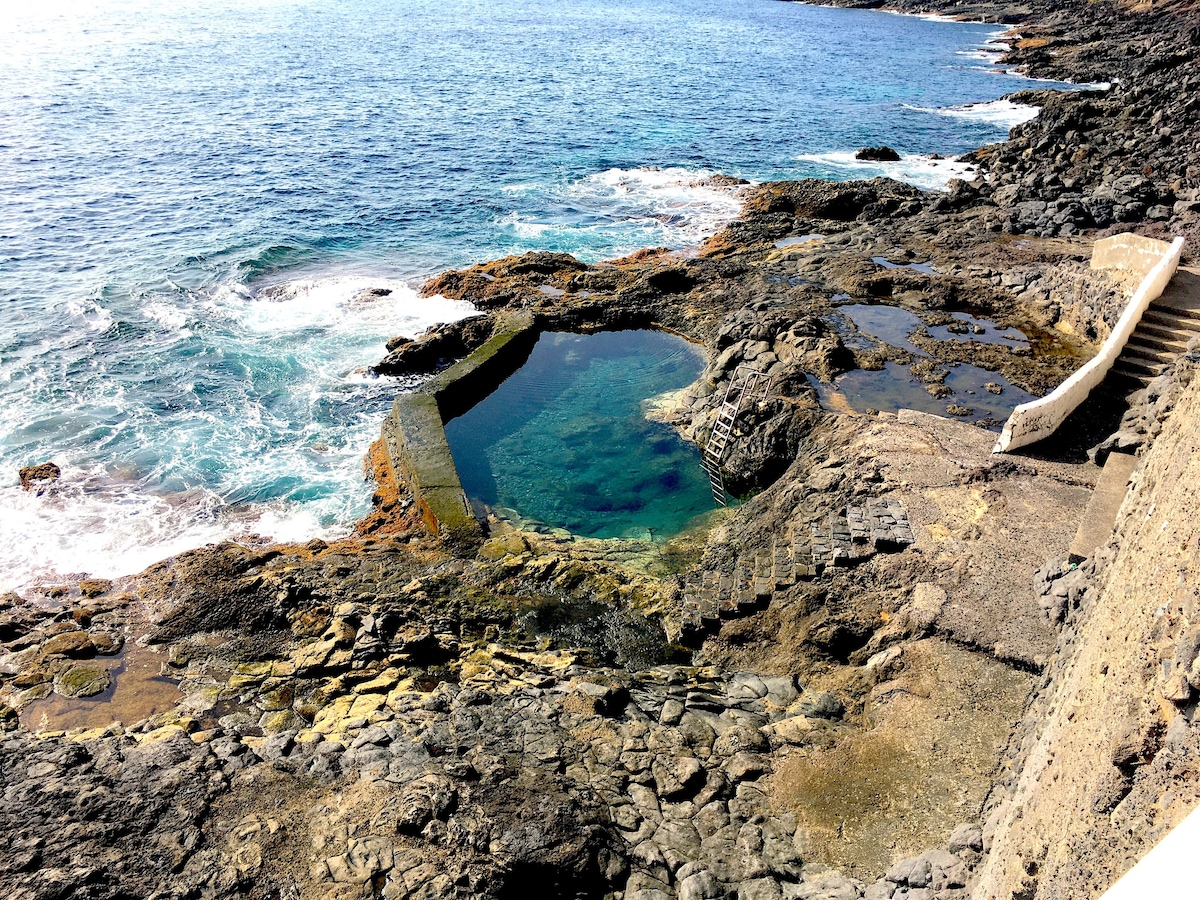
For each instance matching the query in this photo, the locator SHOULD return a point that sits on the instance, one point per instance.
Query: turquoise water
(194, 196)
(565, 441)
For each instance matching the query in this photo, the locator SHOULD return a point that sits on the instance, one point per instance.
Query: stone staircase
(1164, 331)
(801, 553)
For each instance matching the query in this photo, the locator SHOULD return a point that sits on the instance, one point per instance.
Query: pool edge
(414, 433)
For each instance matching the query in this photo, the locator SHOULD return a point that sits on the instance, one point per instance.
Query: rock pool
(569, 441)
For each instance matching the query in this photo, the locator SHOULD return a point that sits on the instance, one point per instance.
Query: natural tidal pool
(569, 440)
(964, 387)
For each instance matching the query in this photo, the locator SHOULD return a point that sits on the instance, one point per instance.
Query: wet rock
(95, 587)
(39, 477)
(877, 154)
(82, 681)
(75, 644)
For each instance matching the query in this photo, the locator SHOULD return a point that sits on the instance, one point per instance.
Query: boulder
(39, 476)
(877, 154)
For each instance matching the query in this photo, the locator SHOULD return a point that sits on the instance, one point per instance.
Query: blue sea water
(194, 196)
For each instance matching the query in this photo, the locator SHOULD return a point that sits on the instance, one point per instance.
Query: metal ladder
(753, 385)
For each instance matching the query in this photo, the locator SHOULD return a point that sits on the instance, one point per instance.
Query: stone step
(1185, 319)
(890, 527)
(840, 552)
(709, 597)
(729, 589)
(1137, 367)
(1172, 343)
(860, 530)
(782, 571)
(690, 622)
(763, 582)
(744, 599)
(1150, 354)
(1127, 375)
(1166, 332)
(1177, 300)
(802, 551)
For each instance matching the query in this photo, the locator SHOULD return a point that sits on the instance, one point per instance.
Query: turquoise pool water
(565, 441)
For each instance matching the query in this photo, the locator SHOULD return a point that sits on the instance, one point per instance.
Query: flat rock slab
(984, 525)
(1096, 526)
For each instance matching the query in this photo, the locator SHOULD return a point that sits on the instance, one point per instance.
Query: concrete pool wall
(414, 433)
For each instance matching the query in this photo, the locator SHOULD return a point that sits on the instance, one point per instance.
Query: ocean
(194, 197)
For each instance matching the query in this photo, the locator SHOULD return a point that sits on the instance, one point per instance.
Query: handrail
(1038, 419)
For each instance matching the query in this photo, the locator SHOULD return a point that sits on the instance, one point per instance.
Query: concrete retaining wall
(414, 433)
(1157, 262)
(1130, 252)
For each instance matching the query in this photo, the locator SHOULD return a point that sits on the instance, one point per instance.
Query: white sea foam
(94, 316)
(91, 524)
(983, 54)
(1002, 113)
(919, 171)
(166, 314)
(626, 209)
(271, 418)
(525, 229)
(343, 303)
(930, 17)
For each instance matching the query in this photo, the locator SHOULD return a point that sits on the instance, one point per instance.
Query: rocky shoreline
(385, 716)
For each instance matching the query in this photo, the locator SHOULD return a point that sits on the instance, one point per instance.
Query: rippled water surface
(194, 197)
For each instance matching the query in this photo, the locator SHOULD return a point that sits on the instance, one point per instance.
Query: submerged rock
(82, 681)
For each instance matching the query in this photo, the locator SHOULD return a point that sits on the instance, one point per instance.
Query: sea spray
(250, 419)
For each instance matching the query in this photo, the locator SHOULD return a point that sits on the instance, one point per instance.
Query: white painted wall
(1030, 422)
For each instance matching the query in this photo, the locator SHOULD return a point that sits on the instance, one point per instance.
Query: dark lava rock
(878, 154)
(438, 346)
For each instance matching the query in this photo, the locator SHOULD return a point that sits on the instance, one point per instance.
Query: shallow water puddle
(137, 691)
(925, 267)
(982, 331)
(895, 387)
(569, 441)
(893, 325)
(889, 324)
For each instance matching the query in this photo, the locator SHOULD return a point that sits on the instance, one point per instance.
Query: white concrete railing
(1030, 422)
